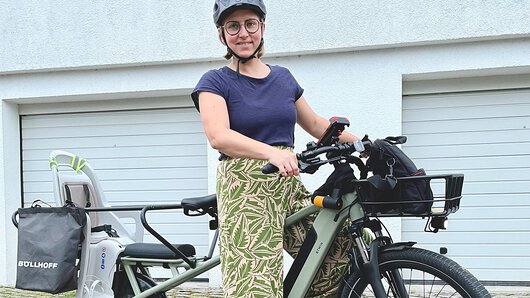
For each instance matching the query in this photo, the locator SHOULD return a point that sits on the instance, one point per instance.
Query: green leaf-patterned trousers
(252, 211)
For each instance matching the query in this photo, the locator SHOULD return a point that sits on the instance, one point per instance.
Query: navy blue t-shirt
(262, 109)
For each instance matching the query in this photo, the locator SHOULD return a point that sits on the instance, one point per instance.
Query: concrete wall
(50, 34)
(351, 58)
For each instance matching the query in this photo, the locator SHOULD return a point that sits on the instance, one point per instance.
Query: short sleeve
(298, 90)
(209, 82)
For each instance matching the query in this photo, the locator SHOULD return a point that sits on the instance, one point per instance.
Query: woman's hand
(285, 161)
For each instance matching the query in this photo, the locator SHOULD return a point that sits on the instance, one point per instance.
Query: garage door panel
(468, 112)
(150, 174)
(154, 174)
(132, 185)
(477, 220)
(130, 152)
(194, 239)
(113, 141)
(488, 200)
(143, 189)
(484, 135)
(98, 119)
(476, 215)
(153, 196)
(449, 126)
(34, 187)
(494, 188)
(484, 138)
(167, 184)
(140, 157)
(490, 175)
(152, 162)
(201, 245)
(469, 150)
(175, 216)
(127, 163)
(457, 100)
(476, 238)
(114, 130)
(472, 163)
(484, 250)
(183, 229)
(506, 274)
(516, 263)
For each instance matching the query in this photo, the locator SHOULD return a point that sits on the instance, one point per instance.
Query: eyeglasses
(233, 27)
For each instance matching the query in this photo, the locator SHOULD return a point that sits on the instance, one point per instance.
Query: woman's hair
(259, 54)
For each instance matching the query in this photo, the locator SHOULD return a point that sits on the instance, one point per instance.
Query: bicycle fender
(397, 246)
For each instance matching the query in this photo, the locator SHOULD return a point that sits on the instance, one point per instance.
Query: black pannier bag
(387, 162)
(49, 240)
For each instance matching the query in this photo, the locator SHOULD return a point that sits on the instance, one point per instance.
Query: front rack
(447, 192)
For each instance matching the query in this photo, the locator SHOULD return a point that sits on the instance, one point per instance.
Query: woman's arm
(314, 124)
(215, 120)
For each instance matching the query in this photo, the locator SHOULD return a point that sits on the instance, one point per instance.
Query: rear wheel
(423, 274)
(124, 288)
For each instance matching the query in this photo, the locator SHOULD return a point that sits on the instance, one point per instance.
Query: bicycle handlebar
(309, 162)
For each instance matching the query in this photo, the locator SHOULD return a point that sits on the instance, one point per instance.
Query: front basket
(446, 190)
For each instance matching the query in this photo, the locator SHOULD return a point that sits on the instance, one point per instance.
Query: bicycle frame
(329, 221)
(327, 224)
(320, 237)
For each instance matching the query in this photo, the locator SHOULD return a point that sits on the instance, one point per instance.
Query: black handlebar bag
(388, 162)
(49, 239)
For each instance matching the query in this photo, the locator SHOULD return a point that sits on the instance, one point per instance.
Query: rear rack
(447, 192)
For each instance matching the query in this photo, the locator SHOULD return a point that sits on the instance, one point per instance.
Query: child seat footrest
(157, 251)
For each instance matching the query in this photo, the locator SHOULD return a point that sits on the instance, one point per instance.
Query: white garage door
(150, 156)
(486, 136)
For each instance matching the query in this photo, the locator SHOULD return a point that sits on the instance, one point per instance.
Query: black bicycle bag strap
(396, 140)
(384, 184)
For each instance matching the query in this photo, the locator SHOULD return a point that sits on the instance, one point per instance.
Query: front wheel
(421, 273)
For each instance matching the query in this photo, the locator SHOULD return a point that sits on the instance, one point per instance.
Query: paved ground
(188, 292)
(201, 291)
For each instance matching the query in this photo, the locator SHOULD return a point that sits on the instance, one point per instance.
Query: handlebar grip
(269, 169)
(327, 202)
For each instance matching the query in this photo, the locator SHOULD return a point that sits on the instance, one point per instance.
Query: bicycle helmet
(222, 8)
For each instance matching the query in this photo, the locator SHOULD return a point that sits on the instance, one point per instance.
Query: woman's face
(243, 43)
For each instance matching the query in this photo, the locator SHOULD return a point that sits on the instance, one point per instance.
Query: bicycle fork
(369, 268)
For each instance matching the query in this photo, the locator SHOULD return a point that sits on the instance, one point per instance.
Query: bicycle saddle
(200, 205)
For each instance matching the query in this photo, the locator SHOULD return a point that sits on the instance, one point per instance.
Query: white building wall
(46, 34)
(350, 57)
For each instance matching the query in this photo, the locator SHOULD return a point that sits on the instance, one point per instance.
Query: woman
(249, 110)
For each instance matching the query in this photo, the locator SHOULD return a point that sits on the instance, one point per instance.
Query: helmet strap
(239, 58)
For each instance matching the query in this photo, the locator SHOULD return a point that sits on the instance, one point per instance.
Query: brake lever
(305, 167)
(311, 168)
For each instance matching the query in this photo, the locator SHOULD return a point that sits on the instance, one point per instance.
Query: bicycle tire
(445, 278)
(124, 289)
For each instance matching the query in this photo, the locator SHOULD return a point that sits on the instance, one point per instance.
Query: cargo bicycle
(378, 266)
